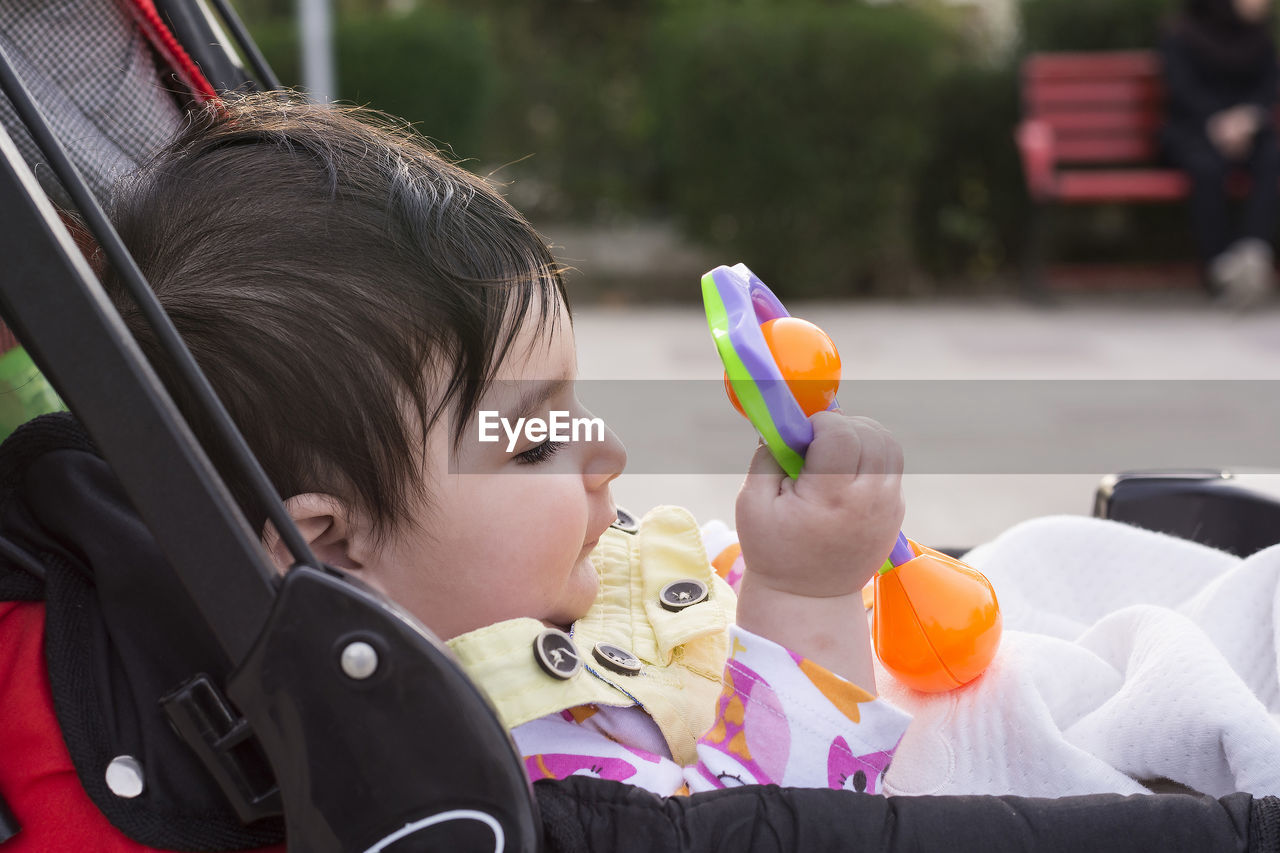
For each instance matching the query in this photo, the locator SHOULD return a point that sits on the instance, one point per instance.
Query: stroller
(165, 689)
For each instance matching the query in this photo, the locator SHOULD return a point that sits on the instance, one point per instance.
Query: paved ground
(1158, 337)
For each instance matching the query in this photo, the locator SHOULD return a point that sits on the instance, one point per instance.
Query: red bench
(1094, 110)
(1089, 135)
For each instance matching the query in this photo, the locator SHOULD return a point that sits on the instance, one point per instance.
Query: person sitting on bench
(1220, 71)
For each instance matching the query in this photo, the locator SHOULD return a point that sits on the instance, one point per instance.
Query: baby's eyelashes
(541, 453)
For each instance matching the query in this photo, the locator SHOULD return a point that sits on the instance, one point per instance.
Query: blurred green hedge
(573, 124)
(837, 147)
(971, 205)
(434, 67)
(1094, 24)
(791, 138)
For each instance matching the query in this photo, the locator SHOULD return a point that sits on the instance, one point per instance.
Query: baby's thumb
(764, 474)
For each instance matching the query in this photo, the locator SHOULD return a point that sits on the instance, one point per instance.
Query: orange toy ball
(936, 622)
(807, 360)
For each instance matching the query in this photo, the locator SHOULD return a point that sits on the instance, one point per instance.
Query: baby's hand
(809, 545)
(825, 533)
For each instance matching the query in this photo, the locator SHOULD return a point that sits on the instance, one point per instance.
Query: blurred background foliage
(1094, 24)
(843, 147)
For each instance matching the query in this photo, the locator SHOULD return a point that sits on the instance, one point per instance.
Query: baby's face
(507, 533)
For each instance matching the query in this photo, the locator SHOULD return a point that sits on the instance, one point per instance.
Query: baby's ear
(325, 524)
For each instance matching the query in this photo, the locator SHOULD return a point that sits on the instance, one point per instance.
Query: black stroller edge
(191, 23)
(583, 815)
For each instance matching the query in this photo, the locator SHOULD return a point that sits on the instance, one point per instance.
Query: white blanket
(1127, 657)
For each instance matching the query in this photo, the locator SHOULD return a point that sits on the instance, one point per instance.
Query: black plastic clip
(203, 717)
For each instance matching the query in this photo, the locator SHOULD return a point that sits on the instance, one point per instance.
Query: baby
(358, 302)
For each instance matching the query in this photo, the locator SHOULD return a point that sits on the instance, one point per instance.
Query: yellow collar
(682, 653)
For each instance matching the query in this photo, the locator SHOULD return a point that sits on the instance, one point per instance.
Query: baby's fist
(825, 533)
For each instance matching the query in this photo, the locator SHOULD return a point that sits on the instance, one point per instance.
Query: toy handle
(900, 554)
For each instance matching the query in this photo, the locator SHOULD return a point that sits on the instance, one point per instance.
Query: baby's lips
(608, 522)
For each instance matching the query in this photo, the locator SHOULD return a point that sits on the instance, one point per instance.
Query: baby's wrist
(830, 630)
(788, 591)
(788, 582)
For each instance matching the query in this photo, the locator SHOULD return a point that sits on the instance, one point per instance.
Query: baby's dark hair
(323, 264)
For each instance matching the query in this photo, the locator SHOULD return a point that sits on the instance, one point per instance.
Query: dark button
(678, 595)
(617, 659)
(626, 522)
(554, 651)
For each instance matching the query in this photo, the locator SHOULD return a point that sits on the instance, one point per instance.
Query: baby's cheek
(527, 536)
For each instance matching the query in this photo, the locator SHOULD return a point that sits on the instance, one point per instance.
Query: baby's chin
(579, 594)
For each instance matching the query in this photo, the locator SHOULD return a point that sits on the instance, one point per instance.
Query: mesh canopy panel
(93, 74)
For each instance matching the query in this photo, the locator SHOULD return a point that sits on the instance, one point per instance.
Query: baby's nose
(608, 460)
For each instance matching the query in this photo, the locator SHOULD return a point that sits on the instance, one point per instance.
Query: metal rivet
(626, 522)
(359, 660)
(555, 653)
(124, 776)
(678, 595)
(617, 659)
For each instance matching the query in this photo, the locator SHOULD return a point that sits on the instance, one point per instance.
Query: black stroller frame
(429, 766)
(55, 303)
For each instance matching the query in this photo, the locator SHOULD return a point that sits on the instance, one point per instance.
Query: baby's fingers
(852, 446)
(836, 452)
(881, 454)
(873, 459)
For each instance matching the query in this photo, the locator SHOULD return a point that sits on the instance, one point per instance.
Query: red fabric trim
(37, 777)
(163, 40)
(36, 774)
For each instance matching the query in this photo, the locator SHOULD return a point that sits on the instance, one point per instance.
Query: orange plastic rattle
(936, 622)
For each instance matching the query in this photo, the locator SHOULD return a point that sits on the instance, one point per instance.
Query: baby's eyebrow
(531, 399)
